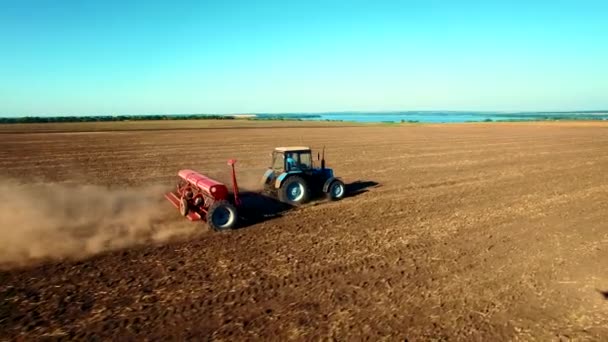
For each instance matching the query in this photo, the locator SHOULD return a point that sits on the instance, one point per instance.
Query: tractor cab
(293, 178)
(292, 159)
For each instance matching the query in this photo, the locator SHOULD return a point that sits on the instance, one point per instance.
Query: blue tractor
(293, 179)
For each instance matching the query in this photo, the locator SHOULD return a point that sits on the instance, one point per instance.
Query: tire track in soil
(260, 291)
(493, 177)
(170, 145)
(395, 268)
(374, 267)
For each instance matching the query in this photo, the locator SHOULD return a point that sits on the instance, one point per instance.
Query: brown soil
(464, 232)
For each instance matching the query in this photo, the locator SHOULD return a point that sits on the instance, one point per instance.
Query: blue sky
(137, 57)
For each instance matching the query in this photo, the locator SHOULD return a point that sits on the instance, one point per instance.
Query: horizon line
(585, 111)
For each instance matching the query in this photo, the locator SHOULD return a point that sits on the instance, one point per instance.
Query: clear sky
(137, 57)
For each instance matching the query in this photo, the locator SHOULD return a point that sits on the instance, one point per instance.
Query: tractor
(293, 179)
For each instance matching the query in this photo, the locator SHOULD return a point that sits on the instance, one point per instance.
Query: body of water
(440, 117)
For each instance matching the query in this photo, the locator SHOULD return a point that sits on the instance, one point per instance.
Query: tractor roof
(292, 148)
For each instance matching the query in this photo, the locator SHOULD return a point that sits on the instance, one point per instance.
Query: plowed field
(460, 232)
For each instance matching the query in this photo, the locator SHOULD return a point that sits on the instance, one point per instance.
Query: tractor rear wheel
(336, 190)
(294, 191)
(222, 216)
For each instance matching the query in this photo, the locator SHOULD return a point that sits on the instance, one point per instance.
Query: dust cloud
(60, 220)
(247, 179)
(250, 179)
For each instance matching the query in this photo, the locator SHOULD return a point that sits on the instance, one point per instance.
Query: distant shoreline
(346, 117)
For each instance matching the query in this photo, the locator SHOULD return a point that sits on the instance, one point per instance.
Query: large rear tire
(294, 191)
(222, 216)
(336, 190)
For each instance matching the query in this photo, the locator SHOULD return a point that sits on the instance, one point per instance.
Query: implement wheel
(183, 206)
(222, 216)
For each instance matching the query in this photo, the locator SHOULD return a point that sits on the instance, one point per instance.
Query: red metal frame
(235, 187)
(201, 192)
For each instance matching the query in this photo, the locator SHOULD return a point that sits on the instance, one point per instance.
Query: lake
(439, 117)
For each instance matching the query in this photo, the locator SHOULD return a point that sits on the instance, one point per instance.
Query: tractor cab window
(278, 161)
(305, 161)
(291, 161)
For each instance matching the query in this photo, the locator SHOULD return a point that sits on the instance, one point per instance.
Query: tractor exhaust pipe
(235, 187)
(323, 159)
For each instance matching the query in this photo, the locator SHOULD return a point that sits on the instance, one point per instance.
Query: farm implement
(201, 198)
(291, 178)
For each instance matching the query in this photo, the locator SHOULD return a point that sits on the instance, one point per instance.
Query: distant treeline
(105, 118)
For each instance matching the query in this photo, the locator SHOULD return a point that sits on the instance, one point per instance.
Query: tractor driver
(291, 162)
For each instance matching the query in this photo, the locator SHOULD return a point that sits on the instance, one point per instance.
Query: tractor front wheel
(336, 190)
(294, 191)
(222, 216)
